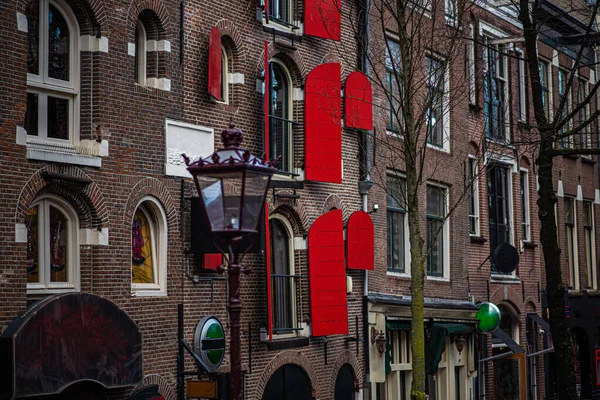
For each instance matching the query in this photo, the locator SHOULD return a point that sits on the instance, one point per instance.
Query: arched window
(149, 249)
(52, 73)
(280, 115)
(224, 76)
(509, 324)
(140, 53)
(282, 277)
(52, 250)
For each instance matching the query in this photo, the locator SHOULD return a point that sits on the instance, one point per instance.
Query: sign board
(209, 343)
(202, 389)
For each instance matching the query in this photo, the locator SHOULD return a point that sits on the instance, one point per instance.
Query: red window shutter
(358, 107)
(212, 261)
(360, 239)
(322, 18)
(327, 275)
(215, 64)
(266, 95)
(323, 144)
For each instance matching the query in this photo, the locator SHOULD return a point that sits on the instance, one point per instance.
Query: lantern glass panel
(254, 195)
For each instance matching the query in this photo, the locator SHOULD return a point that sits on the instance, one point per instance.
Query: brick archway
(70, 183)
(164, 387)
(335, 201)
(151, 187)
(345, 357)
(285, 357)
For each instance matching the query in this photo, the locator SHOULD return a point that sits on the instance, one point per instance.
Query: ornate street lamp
(232, 185)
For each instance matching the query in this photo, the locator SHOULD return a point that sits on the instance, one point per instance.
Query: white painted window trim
(292, 271)
(224, 77)
(594, 275)
(445, 107)
(407, 270)
(527, 221)
(290, 116)
(475, 190)
(471, 65)
(549, 65)
(140, 53)
(521, 93)
(157, 219)
(575, 284)
(44, 86)
(45, 286)
(446, 232)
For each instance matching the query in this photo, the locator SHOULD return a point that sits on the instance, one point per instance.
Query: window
(545, 84)
(280, 11)
(280, 115)
(437, 232)
(393, 77)
(400, 377)
(471, 65)
(52, 251)
(140, 53)
(584, 114)
(149, 249)
(224, 76)
(525, 224)
(450, 11)
(566, 142)
(589, 239)
(397, 226)
(473, 198)
(521, 97)
(495, 91)
(509, 324)
(571, 244)
(437, 113)
(499, 195)
(282, 277)
(52, 73)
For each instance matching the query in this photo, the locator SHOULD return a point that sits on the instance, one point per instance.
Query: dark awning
(547, 334)
(437, 342)
(397, 325)
(539, 321)
(67, 338)
(512, 345)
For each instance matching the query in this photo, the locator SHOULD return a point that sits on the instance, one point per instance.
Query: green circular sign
(209, 343)
(489, 317)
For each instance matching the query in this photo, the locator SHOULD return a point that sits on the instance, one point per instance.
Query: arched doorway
(344, 384)
(289, 382)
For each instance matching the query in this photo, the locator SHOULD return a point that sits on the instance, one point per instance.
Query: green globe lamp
(489, 317)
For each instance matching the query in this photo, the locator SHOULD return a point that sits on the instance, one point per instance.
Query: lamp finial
(232, 137)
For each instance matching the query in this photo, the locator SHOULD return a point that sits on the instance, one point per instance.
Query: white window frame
(290, 101)
(45, 86)
(574, 275)
(446, 232)
(406, 273)
(548, 65)
(224, 76)
(471, 65)
(525, 207)
(514, 326)
(585, 134)
(490, 33)
(566, 142)
(592, 278)
(157, 219)
(401, 361)
(475, 194)
(521, 90)
(282, 27)
(45, 286)
(294, 300)
(445, 106)
(450, 12)
(141, 53)
(391, 37)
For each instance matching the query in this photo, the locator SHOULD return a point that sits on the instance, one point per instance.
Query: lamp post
(232, 185)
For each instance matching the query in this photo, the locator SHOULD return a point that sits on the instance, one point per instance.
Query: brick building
(99, 99)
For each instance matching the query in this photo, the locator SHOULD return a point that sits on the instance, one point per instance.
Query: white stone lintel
(22, 22)
(21, 136)
(93, 237)
(235, 78)
(92, 43)
(299, 243)
(20, 233)
(131, 49)
(298, 94)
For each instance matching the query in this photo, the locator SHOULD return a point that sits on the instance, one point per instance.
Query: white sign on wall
(194, 140)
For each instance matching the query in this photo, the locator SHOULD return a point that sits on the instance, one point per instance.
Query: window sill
(284, 344)
(529, 244)
(38, 293)
(148, 293)
(438, 279)
(508, 279)
(398, 274)
(588, 160)
(441, 149)
(477, 239)
(89, 152)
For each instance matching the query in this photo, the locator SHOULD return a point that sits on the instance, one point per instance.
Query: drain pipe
(364, 187)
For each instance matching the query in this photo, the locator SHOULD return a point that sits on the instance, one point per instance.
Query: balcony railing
(283, 143)
(285, 289)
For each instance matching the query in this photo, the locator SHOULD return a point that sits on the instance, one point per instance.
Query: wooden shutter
(322, 18)
(266, 96)
(215, 64)
(358, 104)
(323, 130)
(212, 261)
(327, 275)
(360, 241)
